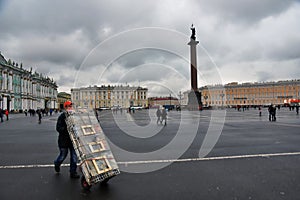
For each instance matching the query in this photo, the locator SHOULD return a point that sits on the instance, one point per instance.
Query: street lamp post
(222, 95)
(273, 99)
(180, 95)
(1, 101)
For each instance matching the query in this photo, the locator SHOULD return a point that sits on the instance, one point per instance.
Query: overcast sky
(94, 42)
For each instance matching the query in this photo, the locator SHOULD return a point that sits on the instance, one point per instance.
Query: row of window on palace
(26, 87)
(107, 98)
(107, 92)
(229, 97)
(112, 95)
(285, 89)
(263, 101)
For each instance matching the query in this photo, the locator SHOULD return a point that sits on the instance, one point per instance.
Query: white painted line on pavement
(30, 166)
(164, 161)
(212, 158)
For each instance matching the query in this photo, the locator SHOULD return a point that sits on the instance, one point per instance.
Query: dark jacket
(64, 140)
(164, 114)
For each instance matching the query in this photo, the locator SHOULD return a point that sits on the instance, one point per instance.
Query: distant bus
(169, 107)
(294, 102)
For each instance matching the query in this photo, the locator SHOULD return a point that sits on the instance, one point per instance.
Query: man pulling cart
(96, 160)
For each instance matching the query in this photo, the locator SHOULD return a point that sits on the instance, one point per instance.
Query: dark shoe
(57, 168)
(74, 175)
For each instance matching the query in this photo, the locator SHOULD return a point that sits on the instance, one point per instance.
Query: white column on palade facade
(10, 82)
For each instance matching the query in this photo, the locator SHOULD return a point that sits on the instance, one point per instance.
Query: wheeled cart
(96, 160)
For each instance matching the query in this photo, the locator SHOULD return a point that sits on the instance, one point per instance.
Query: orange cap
(67, 103)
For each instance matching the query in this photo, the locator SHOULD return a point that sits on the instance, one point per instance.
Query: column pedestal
(194, 100)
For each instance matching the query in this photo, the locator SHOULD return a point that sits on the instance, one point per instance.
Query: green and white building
(22, 89)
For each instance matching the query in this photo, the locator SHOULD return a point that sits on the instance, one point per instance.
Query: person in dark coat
(158, 114)
(39, 112)
(65, 143)
(1, 114)
(274, 114)
(164, 116)
(270, 109)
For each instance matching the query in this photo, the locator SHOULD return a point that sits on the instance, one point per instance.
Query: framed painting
(96, 146)
(88, 130)
(101, 164)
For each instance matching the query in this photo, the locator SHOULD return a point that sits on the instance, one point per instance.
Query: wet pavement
(252, 159)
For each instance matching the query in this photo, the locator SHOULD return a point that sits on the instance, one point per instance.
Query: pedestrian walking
(297, 109)
(158, 115)
(6, 113)
(1, 114)
(65, 143)
(270, 109)
(39, 112)
(274, 114)
(129, 110)
(164, 116)
(259, 110)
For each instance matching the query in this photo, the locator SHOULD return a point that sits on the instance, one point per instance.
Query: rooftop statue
(193, 36)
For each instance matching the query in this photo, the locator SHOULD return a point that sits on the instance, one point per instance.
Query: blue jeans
(62, 156)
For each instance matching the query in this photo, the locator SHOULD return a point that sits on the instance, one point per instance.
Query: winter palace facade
(22, 89)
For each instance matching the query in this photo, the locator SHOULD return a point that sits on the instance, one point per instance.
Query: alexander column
(194, 97)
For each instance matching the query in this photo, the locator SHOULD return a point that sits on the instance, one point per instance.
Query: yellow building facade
(109, 96)
(251, 94)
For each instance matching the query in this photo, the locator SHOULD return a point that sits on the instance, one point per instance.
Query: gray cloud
(245, 11)
(146, 55)
(103, 41)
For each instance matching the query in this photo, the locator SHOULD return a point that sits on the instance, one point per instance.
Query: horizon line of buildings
(230, 94)
(22, 89)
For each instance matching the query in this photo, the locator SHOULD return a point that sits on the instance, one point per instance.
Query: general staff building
(251, 94)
